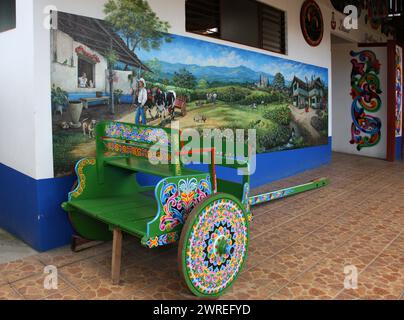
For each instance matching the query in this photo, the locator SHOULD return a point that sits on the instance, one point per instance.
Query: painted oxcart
(209, 216)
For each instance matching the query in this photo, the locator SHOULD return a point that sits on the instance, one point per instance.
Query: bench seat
(144, 166)
(129, 213)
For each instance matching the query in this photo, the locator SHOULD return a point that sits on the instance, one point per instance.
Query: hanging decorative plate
(312, 23)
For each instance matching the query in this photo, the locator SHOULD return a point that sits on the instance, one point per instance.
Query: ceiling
(395, 7)
(398, 24)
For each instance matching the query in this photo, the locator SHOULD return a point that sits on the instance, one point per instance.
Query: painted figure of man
(140, 102)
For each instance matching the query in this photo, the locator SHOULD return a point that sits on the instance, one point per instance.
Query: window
(86, 73)
(203, 17)
(7, 15)
(272, 29)
(247, 22)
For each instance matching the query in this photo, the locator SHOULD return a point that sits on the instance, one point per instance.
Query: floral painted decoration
(129, 132)
(246, 201)
(93, 57)
(264, 198)
(178, 200)
(136, 151)
(81, 178)
(209, 270)
(162, 240)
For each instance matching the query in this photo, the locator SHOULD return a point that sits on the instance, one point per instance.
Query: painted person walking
(140, 102)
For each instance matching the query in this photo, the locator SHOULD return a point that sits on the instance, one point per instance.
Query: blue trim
(80, 95)
(399, 150)
(270, 166)
(126, 99)
(281, 165)
(74, 96)
(31, 208)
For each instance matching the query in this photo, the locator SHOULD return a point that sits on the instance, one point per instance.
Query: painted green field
(222, 115)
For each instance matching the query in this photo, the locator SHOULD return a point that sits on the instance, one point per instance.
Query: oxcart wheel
(213, 245)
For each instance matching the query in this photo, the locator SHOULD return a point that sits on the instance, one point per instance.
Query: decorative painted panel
(129, 132)
(179, 198)
(135, 151)
(366, 90)
(312, 23)
(399, 91)
(176, 197)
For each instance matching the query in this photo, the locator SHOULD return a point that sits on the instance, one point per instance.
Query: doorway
(359, 98)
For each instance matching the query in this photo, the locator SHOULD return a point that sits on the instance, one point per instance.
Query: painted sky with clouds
(203, 53)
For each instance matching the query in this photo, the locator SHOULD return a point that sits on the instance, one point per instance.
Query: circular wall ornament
(312, 23)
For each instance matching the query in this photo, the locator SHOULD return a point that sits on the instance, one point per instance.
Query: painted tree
(111, 58)
(155, 66)
(203, 84)
(279, 82)
(137, 23)
(184, 79)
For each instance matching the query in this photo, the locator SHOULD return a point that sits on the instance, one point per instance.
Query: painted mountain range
(239, 74)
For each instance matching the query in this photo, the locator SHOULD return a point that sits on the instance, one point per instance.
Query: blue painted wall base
(31, 208)
(399, 148)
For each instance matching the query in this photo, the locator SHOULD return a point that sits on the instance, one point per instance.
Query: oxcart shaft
(288, 192)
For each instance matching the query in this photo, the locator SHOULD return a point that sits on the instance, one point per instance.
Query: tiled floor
(12, 248)
(299, 247)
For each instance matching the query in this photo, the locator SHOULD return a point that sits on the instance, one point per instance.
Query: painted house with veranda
(80, 48)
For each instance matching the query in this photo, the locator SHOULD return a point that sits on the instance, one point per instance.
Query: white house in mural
(80, 46)
(308, 94)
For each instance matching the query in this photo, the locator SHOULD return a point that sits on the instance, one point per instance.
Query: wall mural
(399, 91)
(312, 23)
(365, 129)
(219, 86)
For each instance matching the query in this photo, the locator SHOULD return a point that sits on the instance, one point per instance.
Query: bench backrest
(118, 139)
(125, 139)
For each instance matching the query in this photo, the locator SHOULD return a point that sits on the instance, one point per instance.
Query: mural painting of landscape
(222, 86)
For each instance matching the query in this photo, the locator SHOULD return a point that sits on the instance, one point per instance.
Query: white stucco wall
(26, 60)
(17, 129)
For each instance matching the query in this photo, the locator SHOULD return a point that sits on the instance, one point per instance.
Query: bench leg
(79, 244)
(116, 256)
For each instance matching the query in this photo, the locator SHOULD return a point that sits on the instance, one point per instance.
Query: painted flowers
(93, 57)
